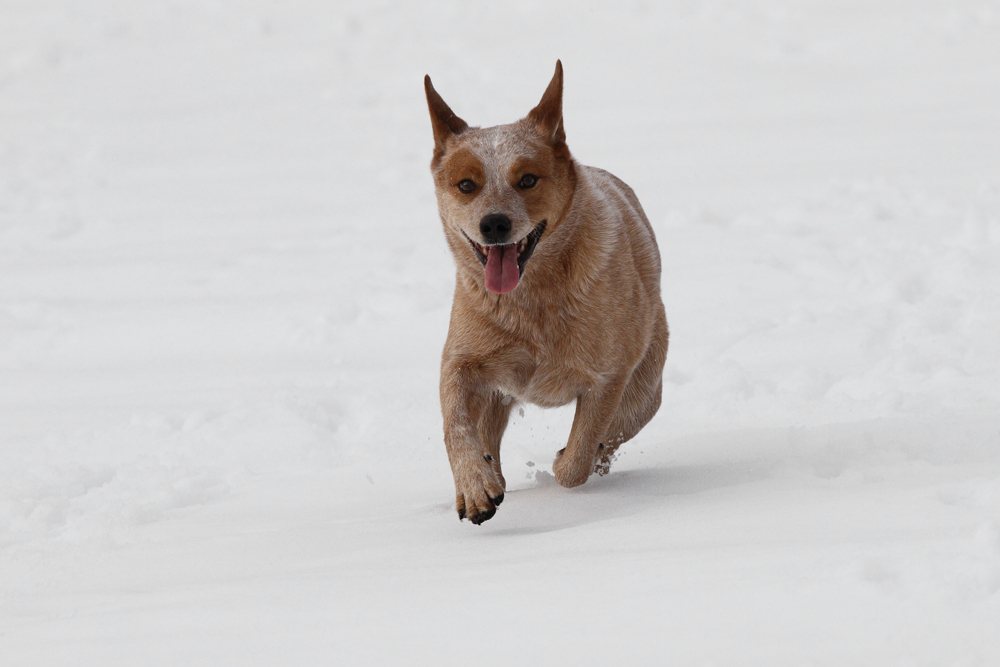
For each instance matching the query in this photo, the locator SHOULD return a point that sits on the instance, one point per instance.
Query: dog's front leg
(465, 401)
(492, 424)
(594, 411)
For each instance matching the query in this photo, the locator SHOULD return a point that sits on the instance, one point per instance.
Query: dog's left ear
(443, 120)
(548, 114)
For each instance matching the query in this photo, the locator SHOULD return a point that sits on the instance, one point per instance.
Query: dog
(557, 297)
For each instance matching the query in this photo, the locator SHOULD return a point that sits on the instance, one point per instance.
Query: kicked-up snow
(224, 291)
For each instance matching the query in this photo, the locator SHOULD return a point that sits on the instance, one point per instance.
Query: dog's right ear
(548, 114)
(444, 121)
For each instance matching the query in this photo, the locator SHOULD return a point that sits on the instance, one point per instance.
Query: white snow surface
(224, 290)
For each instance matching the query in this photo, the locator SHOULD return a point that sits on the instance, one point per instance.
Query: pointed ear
(444, 121)
(548, 114)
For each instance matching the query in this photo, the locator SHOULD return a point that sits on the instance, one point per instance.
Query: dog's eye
(527, 181)
(466, 186)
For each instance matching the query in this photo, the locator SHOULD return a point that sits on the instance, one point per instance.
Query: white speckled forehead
(498, 148)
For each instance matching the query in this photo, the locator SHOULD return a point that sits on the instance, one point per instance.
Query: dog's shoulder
(619, 207)
(606, 185)
(606, 181)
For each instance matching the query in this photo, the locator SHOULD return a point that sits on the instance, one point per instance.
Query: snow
(224, 290)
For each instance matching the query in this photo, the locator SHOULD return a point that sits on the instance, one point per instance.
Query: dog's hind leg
(638, 406)
(594, 412)
(640, 402)
(492, 424)
(607, 417)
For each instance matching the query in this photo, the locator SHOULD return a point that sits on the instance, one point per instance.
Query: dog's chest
(563, 359)
(554, 384)
(556, 378)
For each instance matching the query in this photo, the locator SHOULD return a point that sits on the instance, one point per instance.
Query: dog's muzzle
(504, 263)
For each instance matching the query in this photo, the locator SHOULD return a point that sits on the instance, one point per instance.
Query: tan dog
(557, 297)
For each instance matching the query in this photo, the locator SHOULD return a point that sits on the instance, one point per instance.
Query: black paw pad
(497, 500)
(461, 514)
(484, 516)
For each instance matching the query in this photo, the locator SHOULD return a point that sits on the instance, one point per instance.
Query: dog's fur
(584, 322)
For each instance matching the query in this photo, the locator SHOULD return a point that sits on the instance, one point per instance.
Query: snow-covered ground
(224, 291)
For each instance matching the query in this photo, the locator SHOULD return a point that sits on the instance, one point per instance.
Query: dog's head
(501, 189)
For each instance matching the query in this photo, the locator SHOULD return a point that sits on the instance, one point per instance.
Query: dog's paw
(478, 494)
(477, 509)
(570, 472)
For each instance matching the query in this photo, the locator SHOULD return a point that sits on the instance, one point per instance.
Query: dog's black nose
(495, 227)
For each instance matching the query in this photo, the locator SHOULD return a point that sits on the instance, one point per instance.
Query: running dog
(557, 297)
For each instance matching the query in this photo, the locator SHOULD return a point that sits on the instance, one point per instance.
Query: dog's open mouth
(505, 263)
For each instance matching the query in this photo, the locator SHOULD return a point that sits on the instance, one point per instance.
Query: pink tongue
(501, 268)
